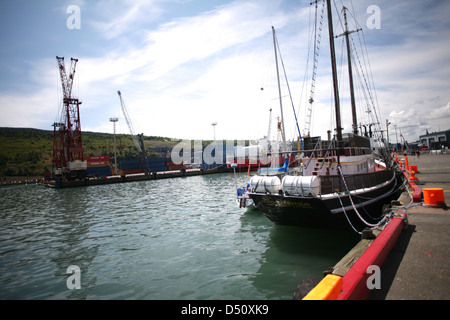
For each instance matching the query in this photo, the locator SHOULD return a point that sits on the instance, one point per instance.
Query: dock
(412, 253)
(418, 266)
(131, 178)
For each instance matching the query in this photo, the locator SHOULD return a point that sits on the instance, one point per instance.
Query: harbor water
(176, 239)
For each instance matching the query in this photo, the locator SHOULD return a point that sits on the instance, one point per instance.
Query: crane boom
(67, 82)
(128, 120)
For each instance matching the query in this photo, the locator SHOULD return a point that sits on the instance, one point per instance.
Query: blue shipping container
(156, 168)
(156, 160)
(99, 171)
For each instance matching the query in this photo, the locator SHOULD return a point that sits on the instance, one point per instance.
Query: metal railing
(331, 184)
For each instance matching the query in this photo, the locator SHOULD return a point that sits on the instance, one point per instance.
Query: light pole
(396, 138)
(214, 124)
(387, 132)
(114, 120)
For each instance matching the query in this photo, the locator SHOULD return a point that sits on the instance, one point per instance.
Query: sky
(182, 65)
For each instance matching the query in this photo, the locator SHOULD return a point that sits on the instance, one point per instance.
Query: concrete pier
(413, 253)
(418, 266)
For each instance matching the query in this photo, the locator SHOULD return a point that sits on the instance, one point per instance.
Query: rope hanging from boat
(345, 213)
(354, 207)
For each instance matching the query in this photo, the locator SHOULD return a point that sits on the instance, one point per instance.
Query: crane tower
(68, 161)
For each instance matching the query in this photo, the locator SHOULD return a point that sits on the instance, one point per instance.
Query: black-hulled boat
(344, 181)
(340, 187)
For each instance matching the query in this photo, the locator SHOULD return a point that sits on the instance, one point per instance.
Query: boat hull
(331, 210)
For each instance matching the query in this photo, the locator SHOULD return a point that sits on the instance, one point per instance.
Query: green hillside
(26, 153)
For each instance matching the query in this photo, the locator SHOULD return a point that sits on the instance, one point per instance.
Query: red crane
(67, 141)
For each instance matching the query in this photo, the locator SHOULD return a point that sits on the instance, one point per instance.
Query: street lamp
(396, 138)
(114, 120)
(387, 132)
(214, 124)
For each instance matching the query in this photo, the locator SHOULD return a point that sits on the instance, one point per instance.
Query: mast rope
(289, 90)
(317, 40)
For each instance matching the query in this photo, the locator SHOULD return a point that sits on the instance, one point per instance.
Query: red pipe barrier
(355, 280)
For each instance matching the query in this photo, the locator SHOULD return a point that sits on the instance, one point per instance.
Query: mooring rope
(353, 204)
(345, 214)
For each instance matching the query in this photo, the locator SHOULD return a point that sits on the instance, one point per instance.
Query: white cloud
(181, 68)
(419, 120)
(177, 75)
(412, 84)
(27, 111)
(122, 17)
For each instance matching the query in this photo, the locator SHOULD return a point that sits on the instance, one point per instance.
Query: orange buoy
(433, 197)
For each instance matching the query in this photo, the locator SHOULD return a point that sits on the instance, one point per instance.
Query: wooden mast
(334, 71)
(350, 73)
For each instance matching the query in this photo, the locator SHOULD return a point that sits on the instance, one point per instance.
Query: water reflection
(293, 254)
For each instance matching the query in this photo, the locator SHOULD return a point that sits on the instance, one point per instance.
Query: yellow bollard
(327, 289)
